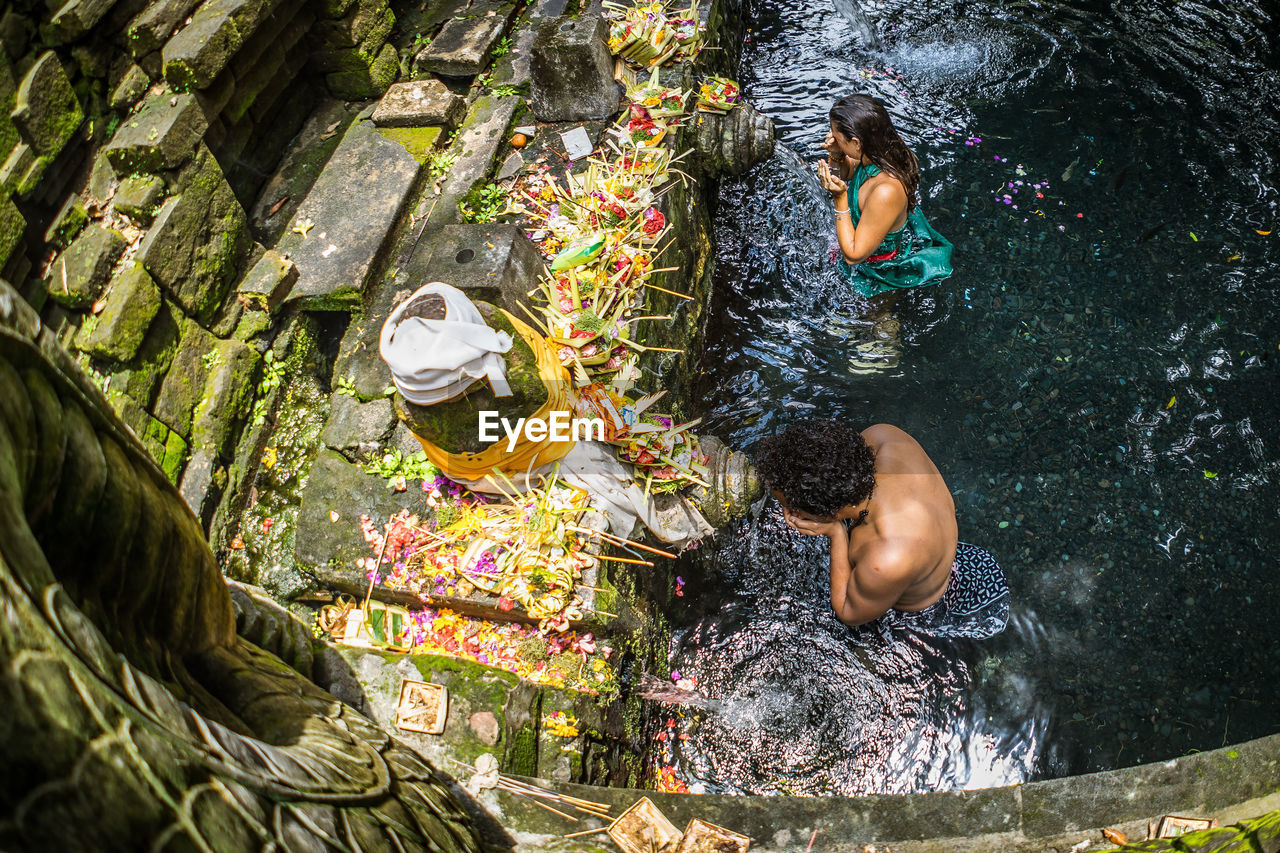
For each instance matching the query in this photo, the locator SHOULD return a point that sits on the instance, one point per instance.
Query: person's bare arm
(883, 206)
(862, 593)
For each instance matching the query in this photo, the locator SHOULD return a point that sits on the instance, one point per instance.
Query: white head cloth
(436, 360)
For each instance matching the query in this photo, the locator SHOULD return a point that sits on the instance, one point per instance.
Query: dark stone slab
(138, 196)
(353, 207)
(330, 548)
(151, 28)
(46, 111)
(493, 263)
(571, 71)
(421, 103)
(75, 18)
(475, 145)
(268, 282)
(731, 143)
(163, 135)
(199, 238)
(77, 275)
(12, 224)
(1210, 780)
(280, 197)
(360, 83)
(66, 223)
(462, 48)
(202, 48)
(183, 385)
(358, 428)
(352, 29)
(131, 86)
(226, 396)
(131, 304)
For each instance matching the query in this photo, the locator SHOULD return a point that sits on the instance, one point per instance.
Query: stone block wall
(134, 136)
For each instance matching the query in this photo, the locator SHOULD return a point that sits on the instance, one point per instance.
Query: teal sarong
(912, 256)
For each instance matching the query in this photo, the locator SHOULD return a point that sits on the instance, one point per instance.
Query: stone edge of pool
(1231, 784)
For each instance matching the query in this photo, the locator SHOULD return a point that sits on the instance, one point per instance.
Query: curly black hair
(819, 465)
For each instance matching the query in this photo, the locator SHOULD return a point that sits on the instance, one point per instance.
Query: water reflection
(1096, 382)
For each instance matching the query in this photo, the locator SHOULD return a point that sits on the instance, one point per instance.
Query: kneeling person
(895, 558)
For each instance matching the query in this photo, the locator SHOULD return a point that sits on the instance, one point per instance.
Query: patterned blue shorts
(975, 605)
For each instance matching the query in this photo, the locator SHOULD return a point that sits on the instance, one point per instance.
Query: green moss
(420, 142)
(521, 758)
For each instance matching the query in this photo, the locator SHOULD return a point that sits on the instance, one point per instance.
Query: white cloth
(436, 360)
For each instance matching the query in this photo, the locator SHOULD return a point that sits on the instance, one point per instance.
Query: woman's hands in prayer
(830, 180)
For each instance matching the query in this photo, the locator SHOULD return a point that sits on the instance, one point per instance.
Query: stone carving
(135, 717)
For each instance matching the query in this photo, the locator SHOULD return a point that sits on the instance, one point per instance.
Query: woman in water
(885, 242)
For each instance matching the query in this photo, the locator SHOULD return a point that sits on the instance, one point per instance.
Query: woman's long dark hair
(864, 118)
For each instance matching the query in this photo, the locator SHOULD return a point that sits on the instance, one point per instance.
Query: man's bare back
(899, 551)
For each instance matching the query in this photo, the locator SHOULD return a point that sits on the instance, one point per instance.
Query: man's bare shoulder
(877, 434)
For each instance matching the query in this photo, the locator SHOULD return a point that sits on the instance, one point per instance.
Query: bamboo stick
(626, 560)
(618, 540)
(586, 832)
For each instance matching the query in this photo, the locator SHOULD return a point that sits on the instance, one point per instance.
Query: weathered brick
(218, 28)
(46, 112)
(152, 27)
(163, 135)
(133, 84)
(138, 196)
(421, 103)
(74, 19)
(199, 238)
(183, 385)
(132, 301)
(352, 29)
(12, 224)
(368, 82)
(66, 224)
(268, 283)
(77, 275)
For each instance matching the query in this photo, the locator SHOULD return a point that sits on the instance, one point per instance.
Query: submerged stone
(356, 427)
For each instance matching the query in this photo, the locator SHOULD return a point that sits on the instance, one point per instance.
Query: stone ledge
(1230, 784)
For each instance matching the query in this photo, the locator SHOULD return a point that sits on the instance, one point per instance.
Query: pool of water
(1097, 382)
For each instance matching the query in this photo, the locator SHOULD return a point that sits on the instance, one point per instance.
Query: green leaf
(1194, 238)
(1209, 475)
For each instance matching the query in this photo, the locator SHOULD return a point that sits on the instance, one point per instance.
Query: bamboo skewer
(586, 832)
(618, 540)
(626, 560)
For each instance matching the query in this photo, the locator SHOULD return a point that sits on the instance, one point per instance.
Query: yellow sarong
(526, 454)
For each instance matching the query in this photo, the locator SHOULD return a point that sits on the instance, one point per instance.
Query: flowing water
(1097, 382)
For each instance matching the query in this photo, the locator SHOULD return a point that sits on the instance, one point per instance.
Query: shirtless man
(895, 559)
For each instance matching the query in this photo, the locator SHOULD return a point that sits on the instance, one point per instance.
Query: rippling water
(1098, 383)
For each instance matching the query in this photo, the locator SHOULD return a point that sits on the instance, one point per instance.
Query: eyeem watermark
(559, 427)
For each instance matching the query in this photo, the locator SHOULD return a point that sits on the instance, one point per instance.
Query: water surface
(1097, 382)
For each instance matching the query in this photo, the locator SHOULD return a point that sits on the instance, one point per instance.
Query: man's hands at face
(812, 526)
